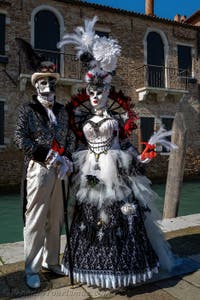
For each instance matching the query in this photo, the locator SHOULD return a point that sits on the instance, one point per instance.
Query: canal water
(11, 218)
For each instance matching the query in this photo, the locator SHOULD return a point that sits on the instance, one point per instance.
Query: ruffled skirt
(114, 239)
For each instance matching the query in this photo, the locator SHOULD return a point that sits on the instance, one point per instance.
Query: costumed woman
(114, 239)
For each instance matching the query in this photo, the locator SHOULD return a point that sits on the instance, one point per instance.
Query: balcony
(159, 82)
(69, 67)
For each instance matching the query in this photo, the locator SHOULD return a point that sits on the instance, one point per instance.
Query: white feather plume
(83, 38)
(160, 138)
(106, 51)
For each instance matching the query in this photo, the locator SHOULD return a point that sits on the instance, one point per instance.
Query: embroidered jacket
(34, 133)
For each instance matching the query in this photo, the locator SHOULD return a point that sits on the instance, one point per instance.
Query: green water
(11, 217)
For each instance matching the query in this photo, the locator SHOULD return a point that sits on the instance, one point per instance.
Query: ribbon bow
(55, 147)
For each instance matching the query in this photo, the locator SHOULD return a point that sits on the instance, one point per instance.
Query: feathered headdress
(100, 53)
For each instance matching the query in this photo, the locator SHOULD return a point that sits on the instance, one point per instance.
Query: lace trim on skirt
(105, 280)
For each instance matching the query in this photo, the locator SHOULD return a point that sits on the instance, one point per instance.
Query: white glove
(145, 161)
(52, 159)
(65, 167)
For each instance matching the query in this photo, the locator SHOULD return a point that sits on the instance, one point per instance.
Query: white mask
(46, 89)
(98, 97)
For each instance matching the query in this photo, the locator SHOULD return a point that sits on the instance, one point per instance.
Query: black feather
(28, 56)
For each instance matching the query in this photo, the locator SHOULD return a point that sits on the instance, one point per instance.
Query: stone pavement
(183, 283)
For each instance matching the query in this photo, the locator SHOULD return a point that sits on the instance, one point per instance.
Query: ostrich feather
(106, 52)
(160, 138)
(83, 38)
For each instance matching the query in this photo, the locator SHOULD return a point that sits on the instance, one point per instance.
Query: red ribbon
(55, 147)
(148, 151)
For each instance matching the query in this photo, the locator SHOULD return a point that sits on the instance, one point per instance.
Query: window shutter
(1, 122)
(184, 60)
(147, 129)
(2, 34)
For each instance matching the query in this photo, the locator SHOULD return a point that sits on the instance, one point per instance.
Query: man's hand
(52, 159)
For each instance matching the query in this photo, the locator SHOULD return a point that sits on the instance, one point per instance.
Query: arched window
(47, 35)
(155, 60)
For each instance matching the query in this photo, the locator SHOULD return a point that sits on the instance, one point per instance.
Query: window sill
(165, 153)
(3, 59)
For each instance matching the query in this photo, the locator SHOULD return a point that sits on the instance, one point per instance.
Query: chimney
(183, 19)
(177, 18)
(149, 7)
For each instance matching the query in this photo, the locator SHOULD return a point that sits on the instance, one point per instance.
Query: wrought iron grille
(66, 64)
(161, 77)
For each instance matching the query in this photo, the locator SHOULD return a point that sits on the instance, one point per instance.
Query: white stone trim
(166, 116)
(2, 11)
(185, 44)
(60, 21)
(7, 21)
(102, 28)
(166, 48)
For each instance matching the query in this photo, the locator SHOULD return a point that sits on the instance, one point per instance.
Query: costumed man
(42, 134)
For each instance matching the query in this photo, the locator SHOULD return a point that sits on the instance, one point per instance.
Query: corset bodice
(101, 135)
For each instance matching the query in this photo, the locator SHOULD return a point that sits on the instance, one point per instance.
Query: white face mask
(46, 89)
(98, 97)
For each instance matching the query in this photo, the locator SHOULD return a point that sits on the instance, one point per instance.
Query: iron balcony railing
(66, 64)
(162, 77)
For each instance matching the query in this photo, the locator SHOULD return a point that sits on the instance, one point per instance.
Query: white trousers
(43, 217)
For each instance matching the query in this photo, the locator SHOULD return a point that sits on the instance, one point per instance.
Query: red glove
(148, 151)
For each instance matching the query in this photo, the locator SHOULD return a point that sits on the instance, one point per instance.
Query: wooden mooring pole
(175, 168)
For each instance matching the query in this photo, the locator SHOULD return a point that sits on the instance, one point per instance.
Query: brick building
(158, 68)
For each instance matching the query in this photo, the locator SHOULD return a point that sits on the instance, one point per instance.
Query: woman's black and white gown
(115, 241)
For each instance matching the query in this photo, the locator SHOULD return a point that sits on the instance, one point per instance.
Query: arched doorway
(155, 60)
(47, 35)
